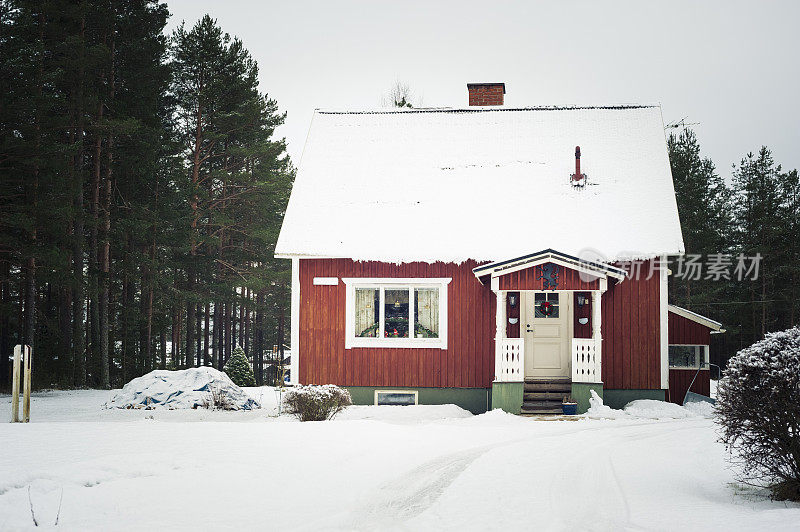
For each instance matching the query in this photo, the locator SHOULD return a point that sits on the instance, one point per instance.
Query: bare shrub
(316, 403)
(759, 411)
(217, 399)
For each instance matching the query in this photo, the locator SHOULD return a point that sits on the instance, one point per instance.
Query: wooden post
(26, 393)
(15, 386)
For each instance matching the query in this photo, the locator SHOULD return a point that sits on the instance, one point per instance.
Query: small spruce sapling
(238, 369)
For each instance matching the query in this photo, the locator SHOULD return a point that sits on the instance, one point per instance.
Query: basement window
(395, 397)
(398, 313)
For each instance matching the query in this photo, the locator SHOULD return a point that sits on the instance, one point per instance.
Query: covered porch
(548, 329)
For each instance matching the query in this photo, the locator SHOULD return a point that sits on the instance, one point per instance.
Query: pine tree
(237, 181)
(143, 190)
(239, 370)
(760, 202)
(704, 208)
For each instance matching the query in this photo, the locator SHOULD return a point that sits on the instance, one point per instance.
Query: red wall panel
(585, 311)
(684, 331)
(530, 279)
(468, 361)
(630, 328)
(631, 334)
(512, 329)
(679, 380)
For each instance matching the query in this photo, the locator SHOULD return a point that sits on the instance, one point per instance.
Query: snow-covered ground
(406, 468)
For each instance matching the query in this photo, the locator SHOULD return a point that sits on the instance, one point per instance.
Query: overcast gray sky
(731, 66)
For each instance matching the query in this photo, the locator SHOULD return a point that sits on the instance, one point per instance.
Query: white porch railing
(586, 359)
(509, 360)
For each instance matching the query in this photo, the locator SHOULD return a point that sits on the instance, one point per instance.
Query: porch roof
(596, 269)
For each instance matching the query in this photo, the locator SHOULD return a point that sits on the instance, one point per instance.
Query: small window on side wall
(687, 356)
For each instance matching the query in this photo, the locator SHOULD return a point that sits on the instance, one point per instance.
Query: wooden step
(548, 379)
(545, 396)
(548, 387)
(543, 404)
(555, 409)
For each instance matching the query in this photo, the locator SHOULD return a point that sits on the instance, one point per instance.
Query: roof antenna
(578, 179)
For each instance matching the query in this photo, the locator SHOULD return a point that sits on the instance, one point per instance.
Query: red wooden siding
(631, 334)
(568, 279)
(582, 331)
(685, 331)
(679, 380)
(512, 329)
(468, 361)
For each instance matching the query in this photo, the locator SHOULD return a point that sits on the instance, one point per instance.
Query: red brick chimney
(486, 93)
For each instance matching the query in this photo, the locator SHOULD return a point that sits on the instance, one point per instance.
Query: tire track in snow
(402, 498)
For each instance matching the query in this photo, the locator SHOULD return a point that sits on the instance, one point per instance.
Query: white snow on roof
(483, 184)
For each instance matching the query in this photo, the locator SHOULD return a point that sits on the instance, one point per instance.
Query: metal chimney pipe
(577, 176)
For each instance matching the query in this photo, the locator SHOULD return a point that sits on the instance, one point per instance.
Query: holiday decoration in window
(396, 312)
(546, 305)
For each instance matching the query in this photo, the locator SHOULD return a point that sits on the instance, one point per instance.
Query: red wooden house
(463, 256)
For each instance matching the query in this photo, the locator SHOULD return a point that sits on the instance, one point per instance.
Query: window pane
(398, 398)
(546, 306)
(426, 313)
(396, 313)
(367, 304)
(683, 356)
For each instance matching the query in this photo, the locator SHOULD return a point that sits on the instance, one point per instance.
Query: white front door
(546, 329)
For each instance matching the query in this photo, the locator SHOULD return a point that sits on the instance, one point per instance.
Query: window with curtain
(393, 314)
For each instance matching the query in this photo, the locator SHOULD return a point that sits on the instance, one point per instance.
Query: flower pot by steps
(569, 409)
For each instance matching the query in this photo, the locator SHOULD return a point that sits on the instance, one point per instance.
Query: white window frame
(415, 393)
(702, 356)
(383, 284)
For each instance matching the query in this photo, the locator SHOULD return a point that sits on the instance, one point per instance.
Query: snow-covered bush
(238, 369)
(316, 403)
(758, 403)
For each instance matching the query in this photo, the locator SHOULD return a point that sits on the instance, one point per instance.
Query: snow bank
(187, 388)
(597, 410)
(700, 408)
(648, 409)
(652, 409)
(411, 414)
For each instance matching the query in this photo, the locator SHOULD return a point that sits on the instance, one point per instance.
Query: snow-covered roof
(482, 183)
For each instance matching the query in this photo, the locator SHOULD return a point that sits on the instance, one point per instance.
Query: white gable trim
(597, 270)
(697, 318)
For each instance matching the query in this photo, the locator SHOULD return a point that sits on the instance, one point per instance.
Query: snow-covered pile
(405, 414)
(187, 388)
(597, 410)
(648, 409)
(652, 409)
